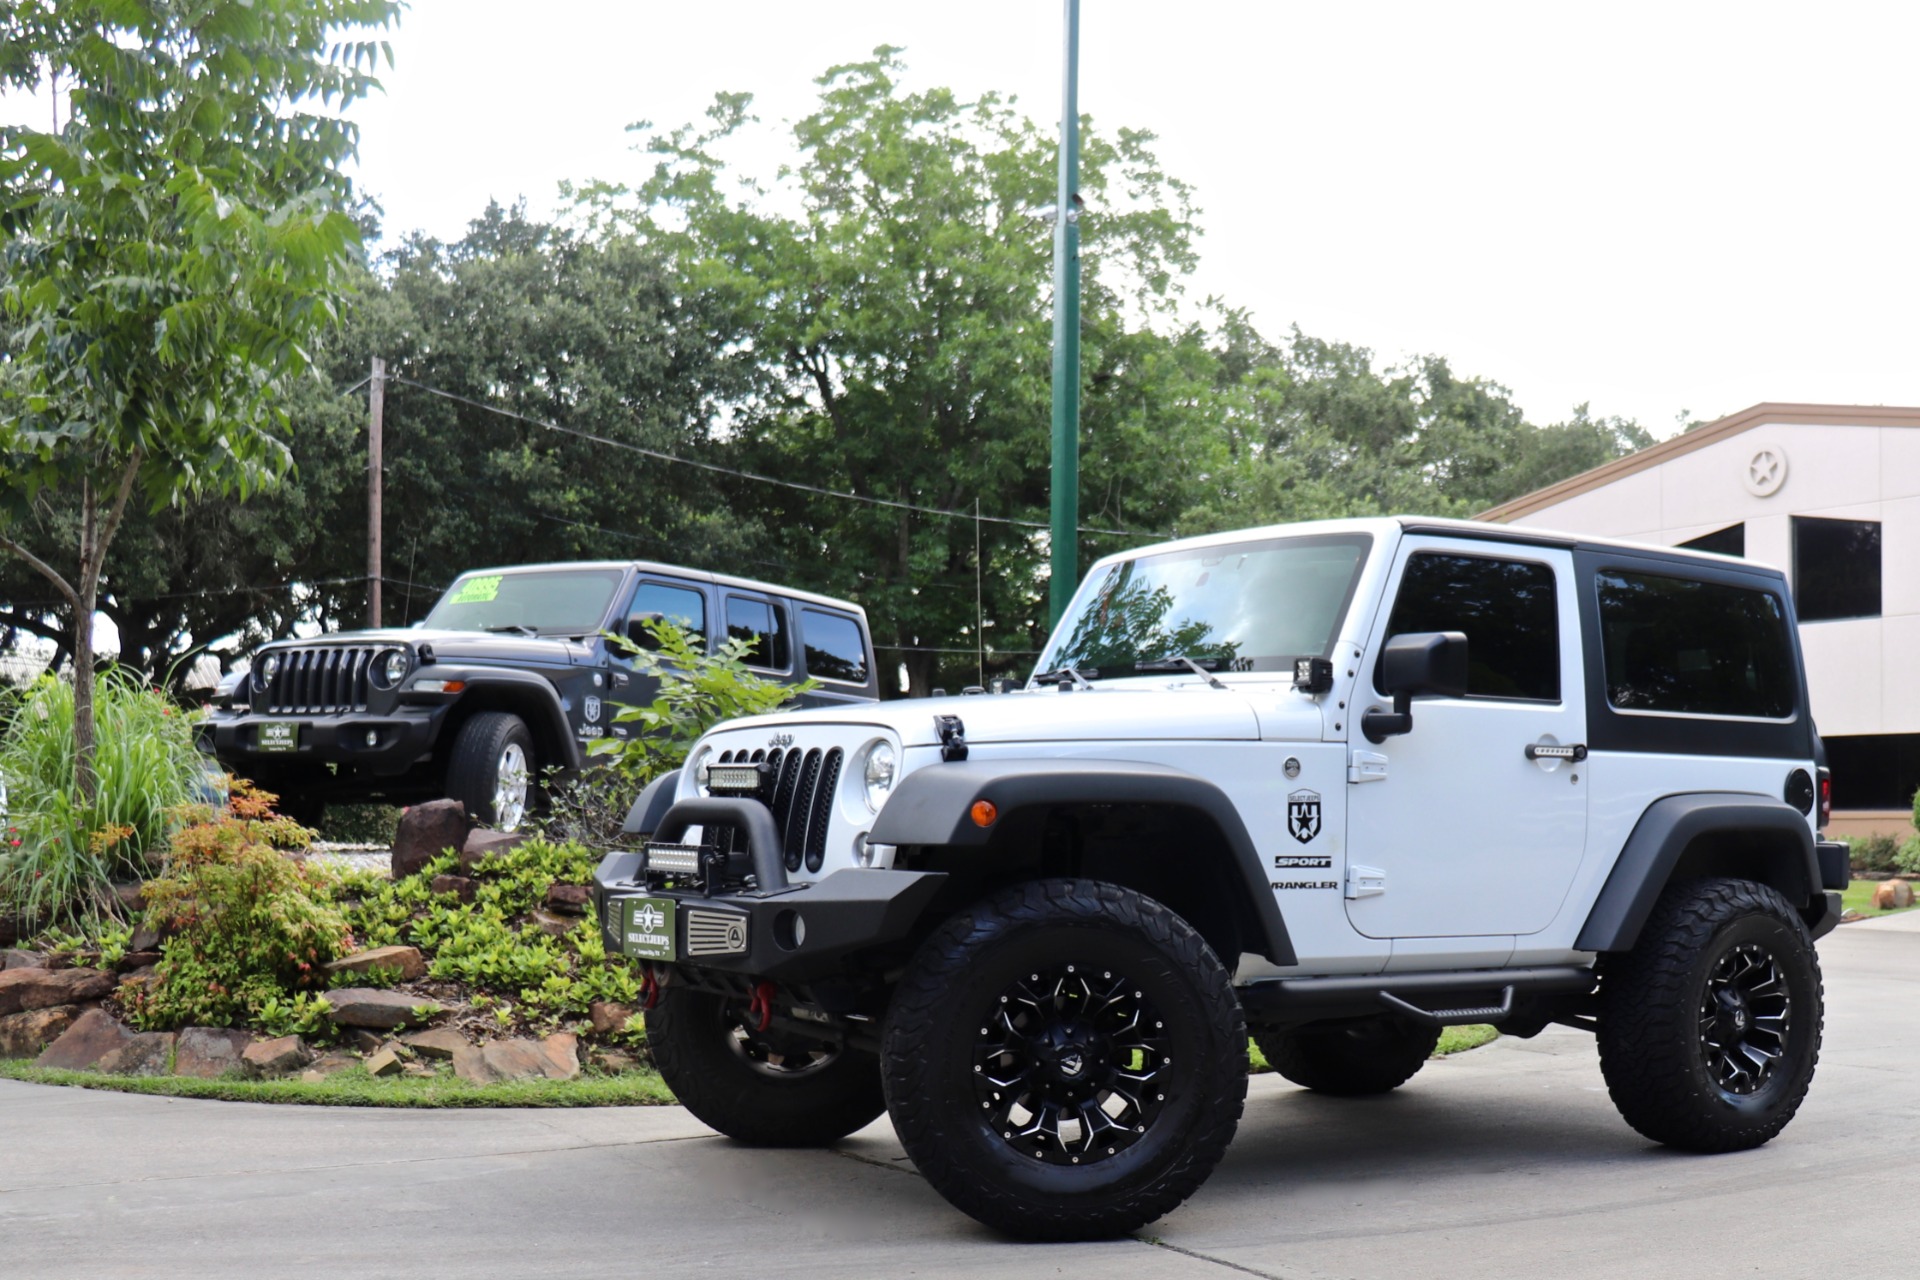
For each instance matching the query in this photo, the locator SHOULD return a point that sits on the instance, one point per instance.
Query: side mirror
(1424, 662)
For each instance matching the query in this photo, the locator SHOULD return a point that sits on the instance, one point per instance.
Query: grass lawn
(1452, 1040)
(1858, 896)
(355, 1088)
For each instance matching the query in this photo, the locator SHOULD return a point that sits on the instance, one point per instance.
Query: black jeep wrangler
(510, 674)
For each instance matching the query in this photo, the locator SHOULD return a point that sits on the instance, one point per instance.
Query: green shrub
(250, 926)
(68, 853)
(359, 823)
(1877, 853)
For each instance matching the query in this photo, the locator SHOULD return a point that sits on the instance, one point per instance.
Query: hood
(456, 646)
(1178, 709)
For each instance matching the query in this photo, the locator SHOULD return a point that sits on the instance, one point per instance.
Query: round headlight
(391, 667)
(269, 668)
(878, 775)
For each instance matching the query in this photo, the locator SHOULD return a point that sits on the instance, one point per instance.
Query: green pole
(1066, 336)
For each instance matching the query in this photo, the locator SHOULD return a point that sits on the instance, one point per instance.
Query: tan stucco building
(1831, 494)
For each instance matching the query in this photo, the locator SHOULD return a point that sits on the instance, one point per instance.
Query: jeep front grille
(321, 680)
(712, 933)
(798, 785)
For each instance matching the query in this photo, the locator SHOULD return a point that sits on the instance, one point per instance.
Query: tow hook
(760, 1008)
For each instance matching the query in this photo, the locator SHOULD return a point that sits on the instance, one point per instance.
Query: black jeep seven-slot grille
(326, 679)
(798, 786)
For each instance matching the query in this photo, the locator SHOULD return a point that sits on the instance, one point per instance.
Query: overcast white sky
(1654, 208)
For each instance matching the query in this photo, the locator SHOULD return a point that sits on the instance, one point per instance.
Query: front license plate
(278, 735)
(646, 928)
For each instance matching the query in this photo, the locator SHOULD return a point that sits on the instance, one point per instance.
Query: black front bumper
(793, 933)
(401, 737)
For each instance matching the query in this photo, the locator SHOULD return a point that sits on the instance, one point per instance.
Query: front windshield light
(878, 774)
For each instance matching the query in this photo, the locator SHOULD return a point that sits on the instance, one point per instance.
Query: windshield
(569, 602)
(1251, 606)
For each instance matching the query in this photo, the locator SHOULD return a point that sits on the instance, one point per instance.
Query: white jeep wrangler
(1336, 785)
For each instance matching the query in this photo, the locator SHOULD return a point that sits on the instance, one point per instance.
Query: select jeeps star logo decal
(1303, 815)
(649, 918)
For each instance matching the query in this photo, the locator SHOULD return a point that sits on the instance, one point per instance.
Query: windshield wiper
(1081, 677)
(1181, 662)
(517, 628)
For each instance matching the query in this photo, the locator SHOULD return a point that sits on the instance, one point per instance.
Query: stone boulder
(1893, 895)
(329, 1064)
(499, 1060)
(563, 1051)
(44, 988)
(426, 831)
(137, 960)
(209, 1052)
(13, 958)
(405, 962)
(379, 1010)
(384, 1062)
(482, 845)
(462, 887)
(146, 1053)
(276, 1057)
(23, 1035)
(569, 898)
(608, 1016)
(440, 1042)
(92, 1037)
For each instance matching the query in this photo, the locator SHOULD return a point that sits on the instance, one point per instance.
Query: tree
(171, 251)
(899, 318)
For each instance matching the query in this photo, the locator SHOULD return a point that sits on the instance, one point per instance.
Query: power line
(751, 475)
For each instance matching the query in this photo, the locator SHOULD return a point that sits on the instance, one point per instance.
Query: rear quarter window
(834, 647)
(1682, 646)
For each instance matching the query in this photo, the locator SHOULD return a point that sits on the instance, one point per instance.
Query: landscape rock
(329, 1064)
(363, 1041)
(132, 897)
(552, 925)
(1892, 895)
(522, 1060)
(275, 1057)
(470, 1064)
(92, 1037)
(384, 1063)
(481, 845)
(145, 938)
(146, 1053)
(426, 831)
(380, 1010)
(142, 977)
(23, 1035)
(462, 886)
(209, 1052)
(44, 988)
(440, 1042)
(14, 958)
(616, 1061)
(406, 962)
(608, 1016)
(570, 898)
(138, 960)
(563, 1051)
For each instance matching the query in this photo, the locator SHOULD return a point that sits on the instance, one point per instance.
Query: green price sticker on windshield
(477, 590)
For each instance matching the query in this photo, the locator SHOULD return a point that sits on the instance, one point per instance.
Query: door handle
(1538, 751)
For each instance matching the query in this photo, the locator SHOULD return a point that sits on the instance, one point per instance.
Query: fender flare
(931, 806)
(1665, 830)
(643, 819)
(524, 685)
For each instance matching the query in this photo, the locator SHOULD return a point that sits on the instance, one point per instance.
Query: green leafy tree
(171, 251)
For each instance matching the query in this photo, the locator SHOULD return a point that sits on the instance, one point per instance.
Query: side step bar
(1436, 999)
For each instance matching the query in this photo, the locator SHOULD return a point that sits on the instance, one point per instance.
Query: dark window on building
(1702, 648)
(1730, 541)
(1836, 568)
(682, 606)
(758, 623)
(1874, 771)
(1506, 609)
(834, 647)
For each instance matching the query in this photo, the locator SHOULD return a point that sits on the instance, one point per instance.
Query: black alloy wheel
(1746, 1017)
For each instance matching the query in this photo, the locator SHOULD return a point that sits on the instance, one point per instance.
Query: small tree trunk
(85, 784)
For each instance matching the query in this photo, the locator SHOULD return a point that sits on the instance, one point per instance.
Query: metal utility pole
(1066, 335)
(376, 409)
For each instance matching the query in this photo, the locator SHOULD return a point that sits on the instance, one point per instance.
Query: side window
(834, 649)
(1507, 610)
(682, 606)
(1696, 648)
(758, 623)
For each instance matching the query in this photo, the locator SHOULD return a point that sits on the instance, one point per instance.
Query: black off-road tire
(1353, 1058)
(1123, 971)
(474, 765)
(720, 1074)
(1661, 1019)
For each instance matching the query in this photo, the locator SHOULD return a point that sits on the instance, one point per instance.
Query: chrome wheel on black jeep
(769, 1087)
(1710, 1026)
(1065, 1060)
(492, 769)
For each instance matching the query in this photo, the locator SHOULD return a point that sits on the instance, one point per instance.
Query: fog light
(373, 737)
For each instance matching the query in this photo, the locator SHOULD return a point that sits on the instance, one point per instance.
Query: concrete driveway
(1508, 1161)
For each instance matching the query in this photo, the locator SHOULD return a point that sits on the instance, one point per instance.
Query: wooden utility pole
(376, 407)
